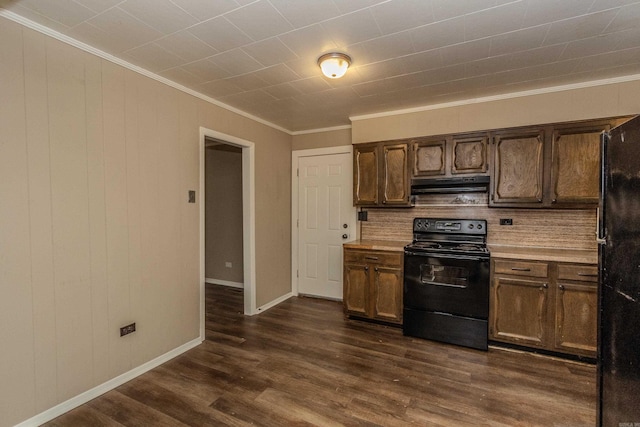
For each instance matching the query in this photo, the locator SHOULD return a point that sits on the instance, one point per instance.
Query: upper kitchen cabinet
(575, 164)
(365, 170)
(428, 157)
(381, 174)
(449, 155)
(469, 154)
(518, 168)
(553, 166)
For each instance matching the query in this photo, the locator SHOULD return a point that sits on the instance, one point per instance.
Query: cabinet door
(365, 175)
(469, 155)
(356, 290)
(387, 294)
(575, 165)
(395, 174)
(576, 321)
(518, 311)
(429, 157)
(518, 168)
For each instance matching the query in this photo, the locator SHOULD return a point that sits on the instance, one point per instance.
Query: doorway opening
(209, 137)
(223, 214)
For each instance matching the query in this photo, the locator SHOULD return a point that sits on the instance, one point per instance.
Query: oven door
(453, 284)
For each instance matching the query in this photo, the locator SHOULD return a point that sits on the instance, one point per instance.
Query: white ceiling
(260, 56)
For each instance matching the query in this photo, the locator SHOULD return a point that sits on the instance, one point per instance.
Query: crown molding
(511, 95)
(320, 130)
(12, 16)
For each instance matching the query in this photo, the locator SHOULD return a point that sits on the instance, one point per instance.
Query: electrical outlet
(506, 221)
(228, 264)
(126, 330)
(362, 216)
(192, 196)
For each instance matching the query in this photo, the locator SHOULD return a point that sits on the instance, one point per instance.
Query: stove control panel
(453, 226)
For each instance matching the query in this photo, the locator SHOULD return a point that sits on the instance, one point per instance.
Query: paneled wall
(95, 230)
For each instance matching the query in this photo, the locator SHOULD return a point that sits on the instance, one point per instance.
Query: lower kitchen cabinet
(544, 305)
(519, 303)
(576, 309)
(373, 284)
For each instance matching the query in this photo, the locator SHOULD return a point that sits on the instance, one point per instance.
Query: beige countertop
(377, 245)
(581, 256)
(534, 253)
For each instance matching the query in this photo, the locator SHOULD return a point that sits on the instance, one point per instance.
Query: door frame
(248, 220)
(295, 157)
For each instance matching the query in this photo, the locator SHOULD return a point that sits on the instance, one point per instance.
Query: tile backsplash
(559, 228)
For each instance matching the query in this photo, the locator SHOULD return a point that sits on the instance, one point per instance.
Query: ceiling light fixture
(334, 65)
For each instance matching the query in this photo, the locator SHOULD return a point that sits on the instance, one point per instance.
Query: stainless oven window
(444, 275)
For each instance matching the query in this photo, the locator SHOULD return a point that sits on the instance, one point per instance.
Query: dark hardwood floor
(303, 363)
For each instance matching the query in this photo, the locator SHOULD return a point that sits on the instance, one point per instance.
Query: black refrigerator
(619, 291)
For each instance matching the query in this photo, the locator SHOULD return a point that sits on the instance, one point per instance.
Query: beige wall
(580, 104)
(332, 138)
(223, 213)
(95, 229)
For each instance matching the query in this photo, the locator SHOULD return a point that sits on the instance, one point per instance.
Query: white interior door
(327, 219)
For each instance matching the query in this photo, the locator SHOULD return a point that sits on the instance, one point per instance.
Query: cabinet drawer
(521, 268)
(373, 257)
(579, 272)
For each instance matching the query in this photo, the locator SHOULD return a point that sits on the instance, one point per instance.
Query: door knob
(344, 236)
(344, 226)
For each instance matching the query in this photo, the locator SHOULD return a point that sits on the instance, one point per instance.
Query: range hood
(468, 184)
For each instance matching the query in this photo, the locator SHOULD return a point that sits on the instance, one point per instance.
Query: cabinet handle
(373, 258)
(561, 287)
(376, 269)
(384, 202)
(546, 285)
(520, 269)
(366, 268)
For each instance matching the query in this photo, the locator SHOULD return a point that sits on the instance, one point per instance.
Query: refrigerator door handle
(601, 239)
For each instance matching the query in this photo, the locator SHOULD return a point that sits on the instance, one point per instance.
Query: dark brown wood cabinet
(545, 305)
(553, 166)
(372, 286)
(449, 155)
(381, 174)
(428, 157)
(576, 309)
(518, 169)
(366, 177)
(469, 154)
(575, 164)
(519, 303)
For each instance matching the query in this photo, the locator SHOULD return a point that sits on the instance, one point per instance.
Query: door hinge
(298, 172)
(297, 223)
(297, 273)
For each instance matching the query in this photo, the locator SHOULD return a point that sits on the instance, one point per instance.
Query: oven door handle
(448, 256)
(448, 285)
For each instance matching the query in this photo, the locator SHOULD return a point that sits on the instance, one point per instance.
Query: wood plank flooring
(302, 363)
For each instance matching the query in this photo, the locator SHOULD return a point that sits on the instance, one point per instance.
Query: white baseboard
(88, 395)
(225, 283)
(273, 303)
